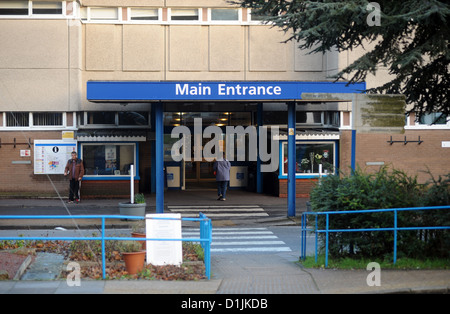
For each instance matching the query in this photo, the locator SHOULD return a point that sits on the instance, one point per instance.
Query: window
(332, 118)
(224, 15)
(109, 159)
(101, 117)
(41, 7)
(13, 7)
(17, 119)
(133, 118)
(257, 17)
(309, 156)
(184, 14)
(112, 118)
(104, 14)
(47, 118)
(433, 118)
(138, 14)
(304, 117)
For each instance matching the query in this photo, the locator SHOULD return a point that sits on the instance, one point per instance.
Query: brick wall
(412, 158)
(107, 188)
(19, 179)
(302, 187)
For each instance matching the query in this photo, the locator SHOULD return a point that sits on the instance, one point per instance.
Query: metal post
(103, 249)
(326, 241)
(132, 184)
(208, 250)
(291, 159)
(159, 134)
(302, 229)
(395, 236)
(316, 236)
(353, 154)
(259, 177)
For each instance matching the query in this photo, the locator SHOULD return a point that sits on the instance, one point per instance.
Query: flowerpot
(128, 209)
(134, 261)
(140, 235)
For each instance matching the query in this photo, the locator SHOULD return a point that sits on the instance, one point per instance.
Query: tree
(411, 40)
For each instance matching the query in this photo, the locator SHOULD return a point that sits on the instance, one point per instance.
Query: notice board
(160, 252)
(51, 156)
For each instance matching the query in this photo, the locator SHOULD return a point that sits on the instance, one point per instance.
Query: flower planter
(136, 209)
(134, 261)
(140, 235)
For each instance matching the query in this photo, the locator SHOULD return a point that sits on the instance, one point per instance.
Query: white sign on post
(161, 253)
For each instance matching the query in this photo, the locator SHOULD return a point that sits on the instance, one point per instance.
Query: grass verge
(351, 263)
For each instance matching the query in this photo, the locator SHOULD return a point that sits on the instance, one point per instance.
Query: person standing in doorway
(75, 170)
(222, 168)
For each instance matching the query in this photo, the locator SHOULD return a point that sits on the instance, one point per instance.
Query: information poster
(161, 253)
(51, 156)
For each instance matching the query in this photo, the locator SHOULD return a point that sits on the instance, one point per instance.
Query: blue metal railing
(205, 234)
(327, 230)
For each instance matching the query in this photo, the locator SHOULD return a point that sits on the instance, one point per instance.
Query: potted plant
(138, 231)
(133, 256)
(136, 208)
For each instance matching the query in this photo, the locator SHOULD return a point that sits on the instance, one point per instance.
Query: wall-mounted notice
(51, 156)
(161, 253)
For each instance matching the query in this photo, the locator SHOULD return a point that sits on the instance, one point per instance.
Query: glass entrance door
(199, 174)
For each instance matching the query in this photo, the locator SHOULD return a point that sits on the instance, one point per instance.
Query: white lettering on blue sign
(226, 90)
(189, 89)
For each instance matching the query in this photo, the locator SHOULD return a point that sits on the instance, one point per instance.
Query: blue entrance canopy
(126, 91)
(205, 90)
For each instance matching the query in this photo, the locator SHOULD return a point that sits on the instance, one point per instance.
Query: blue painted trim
(159, 151)
(353, 153)
(55, 144)
(299, 176)
(259, 175)
(212, 90)
(112, 177)
(291, 159)
(109, 178)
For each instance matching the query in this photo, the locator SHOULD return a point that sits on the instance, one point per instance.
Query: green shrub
(139, 198)
(383, 189)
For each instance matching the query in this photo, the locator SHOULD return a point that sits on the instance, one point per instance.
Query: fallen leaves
(88, 254)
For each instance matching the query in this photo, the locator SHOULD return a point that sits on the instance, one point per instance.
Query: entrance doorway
(199, 174)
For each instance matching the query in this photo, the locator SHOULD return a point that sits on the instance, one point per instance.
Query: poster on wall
(51, 156)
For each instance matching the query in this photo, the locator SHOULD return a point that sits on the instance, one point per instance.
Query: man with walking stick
(75, 170)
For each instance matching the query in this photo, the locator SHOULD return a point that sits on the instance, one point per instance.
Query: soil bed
(88, 255)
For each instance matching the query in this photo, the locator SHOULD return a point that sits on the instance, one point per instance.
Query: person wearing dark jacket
(75, 170)
(222, 168)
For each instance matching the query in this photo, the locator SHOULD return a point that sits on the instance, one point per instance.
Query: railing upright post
(103, 249)
(208, 249)
(395, 236)
(326, 240)
(316, 237)
(302, 233)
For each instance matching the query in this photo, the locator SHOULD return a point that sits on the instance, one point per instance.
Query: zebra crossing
(219, 211)
(240, 240)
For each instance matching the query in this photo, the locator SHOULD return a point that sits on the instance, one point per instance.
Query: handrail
(205, 233)
(395, 228)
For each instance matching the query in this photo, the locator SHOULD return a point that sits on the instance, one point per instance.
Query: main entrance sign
(243, 90)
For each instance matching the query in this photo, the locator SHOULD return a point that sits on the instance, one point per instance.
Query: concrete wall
(39, 58)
